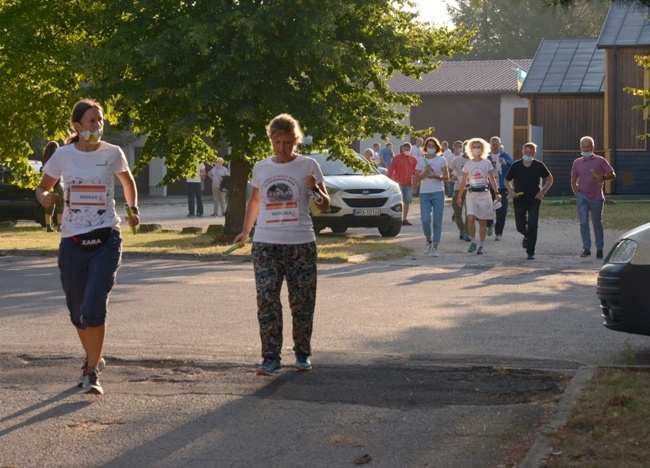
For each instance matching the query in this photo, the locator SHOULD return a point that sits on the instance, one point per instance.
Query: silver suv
(357, 200)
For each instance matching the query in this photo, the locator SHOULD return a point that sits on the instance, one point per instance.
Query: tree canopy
(182, 72)
(515, 28)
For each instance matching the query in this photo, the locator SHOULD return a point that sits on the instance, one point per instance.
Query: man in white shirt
(194, 186)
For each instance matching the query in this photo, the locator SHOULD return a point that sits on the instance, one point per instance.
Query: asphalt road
(456, 361)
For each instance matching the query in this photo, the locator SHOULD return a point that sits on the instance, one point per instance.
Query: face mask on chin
(586, 154)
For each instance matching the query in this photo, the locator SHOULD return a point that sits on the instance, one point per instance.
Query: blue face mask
(586, 154)
(527, 158)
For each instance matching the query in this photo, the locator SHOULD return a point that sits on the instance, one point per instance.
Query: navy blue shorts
(87, 277)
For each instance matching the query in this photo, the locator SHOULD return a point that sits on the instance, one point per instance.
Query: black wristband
(135, 210)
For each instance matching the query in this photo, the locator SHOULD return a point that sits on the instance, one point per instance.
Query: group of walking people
(90, 252)
(480, 177)
(283, 241)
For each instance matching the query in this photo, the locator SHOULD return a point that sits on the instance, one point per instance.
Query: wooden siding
(559, 164)
(458, 116)
(627, 121)
(567, 119)
(632, 173)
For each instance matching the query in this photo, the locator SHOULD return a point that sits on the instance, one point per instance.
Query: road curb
(542, 447)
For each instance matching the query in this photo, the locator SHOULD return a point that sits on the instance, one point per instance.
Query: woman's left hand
(134, 220)
(310, 180)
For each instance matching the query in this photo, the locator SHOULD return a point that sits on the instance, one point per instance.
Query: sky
(434, 10)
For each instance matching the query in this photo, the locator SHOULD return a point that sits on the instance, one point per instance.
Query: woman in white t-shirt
(217, 174)
(91, 245)
(431, 172)
(284, 243)
(477, 172)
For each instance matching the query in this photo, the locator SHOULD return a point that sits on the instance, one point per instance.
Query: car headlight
(624, 251)
(331, 190)
(394, 188)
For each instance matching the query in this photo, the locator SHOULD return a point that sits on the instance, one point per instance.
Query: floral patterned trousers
(297, 263)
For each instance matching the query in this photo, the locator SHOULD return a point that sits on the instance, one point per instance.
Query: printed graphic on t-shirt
(477, 177)
(87, 202)
(281, 204)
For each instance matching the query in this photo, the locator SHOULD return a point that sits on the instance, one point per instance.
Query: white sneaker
(427, 248)
(434, 252)
(497, 237)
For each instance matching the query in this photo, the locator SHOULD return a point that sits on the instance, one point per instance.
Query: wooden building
(467, 99)
(575, 87)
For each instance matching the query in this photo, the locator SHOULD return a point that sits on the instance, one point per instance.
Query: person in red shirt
(401, 170)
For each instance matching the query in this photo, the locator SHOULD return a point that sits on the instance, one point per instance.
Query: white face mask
(586, 154)
(477, 151)
(431, 151)
(407, 152)
(91, 136)
(527, 158)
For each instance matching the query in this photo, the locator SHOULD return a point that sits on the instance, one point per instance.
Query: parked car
(623, 286)
(357, 200)
(18, 203)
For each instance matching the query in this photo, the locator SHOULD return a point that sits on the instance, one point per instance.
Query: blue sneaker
(269, 366)
(472, 248)
(303, 363)
(480, 250)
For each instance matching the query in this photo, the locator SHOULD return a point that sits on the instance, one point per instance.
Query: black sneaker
(530, 257)
(524, 243)
(198, 215)
(599, 253)
(91, 382)
(190, 215)
(585, 253)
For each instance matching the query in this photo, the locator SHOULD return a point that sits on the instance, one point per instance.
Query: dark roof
(566, 66)
(626, 25)
(478, 76)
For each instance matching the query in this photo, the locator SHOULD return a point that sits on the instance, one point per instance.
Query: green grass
(624, 215)
(609, 425)
(330, 248)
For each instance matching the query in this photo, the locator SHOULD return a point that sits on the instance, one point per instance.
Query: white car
(357, 200)
(623, 286)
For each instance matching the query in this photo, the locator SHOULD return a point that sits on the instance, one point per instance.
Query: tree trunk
(236, 198)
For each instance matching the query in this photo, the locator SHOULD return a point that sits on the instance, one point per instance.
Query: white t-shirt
(217, 175)
(448, 155)
(478, 172)
(456, 166)
(284, 209)
(429, 185)
(199, 168)
(89, 180)
(417, 152)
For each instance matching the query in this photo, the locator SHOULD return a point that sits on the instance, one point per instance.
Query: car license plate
(367, 212)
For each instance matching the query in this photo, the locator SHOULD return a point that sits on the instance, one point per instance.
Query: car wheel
(390, 230)
(339, 230)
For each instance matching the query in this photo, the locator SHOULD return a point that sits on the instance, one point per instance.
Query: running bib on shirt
(283, 213)
(87, 196)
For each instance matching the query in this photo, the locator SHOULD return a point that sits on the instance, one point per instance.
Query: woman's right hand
(240, 239)
(50, 199)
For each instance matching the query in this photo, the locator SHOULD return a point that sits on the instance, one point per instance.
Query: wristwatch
(135, 210)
